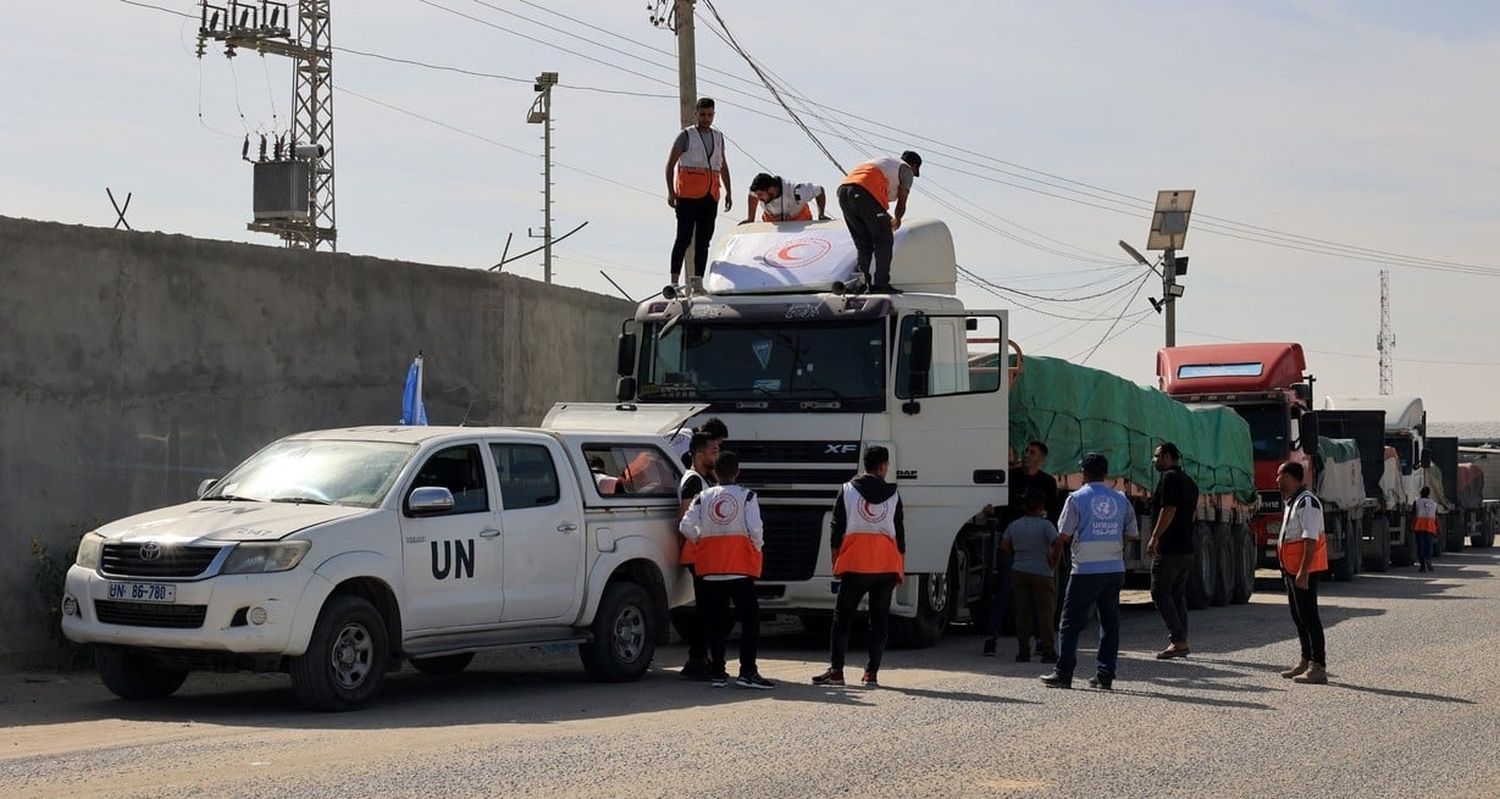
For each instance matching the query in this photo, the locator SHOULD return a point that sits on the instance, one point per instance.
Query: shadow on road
(1425, 697)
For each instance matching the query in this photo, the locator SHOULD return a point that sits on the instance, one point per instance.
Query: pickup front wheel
(344, 666)
(130, 675)
(624, 635)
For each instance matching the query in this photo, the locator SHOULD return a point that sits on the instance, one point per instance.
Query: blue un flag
(413, 410)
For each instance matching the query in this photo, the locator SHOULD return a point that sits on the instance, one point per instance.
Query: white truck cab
(336, 554)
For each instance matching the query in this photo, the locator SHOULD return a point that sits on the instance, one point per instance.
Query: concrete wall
(132, 365)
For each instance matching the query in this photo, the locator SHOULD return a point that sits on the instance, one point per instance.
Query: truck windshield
(1269, 425)
(841, 362)
(357, 473)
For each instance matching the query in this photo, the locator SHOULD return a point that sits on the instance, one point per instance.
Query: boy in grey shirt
(1033, 541)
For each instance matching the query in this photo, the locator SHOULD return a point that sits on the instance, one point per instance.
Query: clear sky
(1370, 123)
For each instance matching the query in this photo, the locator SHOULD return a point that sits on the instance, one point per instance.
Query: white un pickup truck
(334, 555)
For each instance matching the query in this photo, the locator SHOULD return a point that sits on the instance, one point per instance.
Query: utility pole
(679, 19)
(1168, 285)
(306, 217)
(541, 113)
(1169, 225)
(1385, 343)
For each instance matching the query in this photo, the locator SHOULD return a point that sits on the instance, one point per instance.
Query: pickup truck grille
(793, 538)
(148, 614)
(124, 560)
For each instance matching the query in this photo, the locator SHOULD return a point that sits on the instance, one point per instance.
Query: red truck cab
(1268, 385)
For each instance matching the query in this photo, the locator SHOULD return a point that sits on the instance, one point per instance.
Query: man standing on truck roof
(1426, 528)
(724, 521)
(1175, 503)
(1303, 552)
(865, 199)
(784, 200)
(868, 539)
(1023, 479)
(688, 619)
(695, 168)
(1097, 519)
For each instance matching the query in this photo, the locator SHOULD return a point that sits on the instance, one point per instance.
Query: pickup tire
(443, 664)
(624, 635)
(1242, 544)
(1379, 559)
(131, 675)
(345, 663)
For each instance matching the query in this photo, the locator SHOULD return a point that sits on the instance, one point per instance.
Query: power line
(1115, 323)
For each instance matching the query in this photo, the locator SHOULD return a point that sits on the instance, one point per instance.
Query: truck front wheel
(131, 675)
(345, 663)
(935, 593)
(1404, 553)
(624, 635)
(1379, 559)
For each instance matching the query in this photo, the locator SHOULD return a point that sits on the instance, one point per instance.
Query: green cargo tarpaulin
(1075, 409)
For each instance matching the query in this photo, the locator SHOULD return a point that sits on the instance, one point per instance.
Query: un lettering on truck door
(452, 557)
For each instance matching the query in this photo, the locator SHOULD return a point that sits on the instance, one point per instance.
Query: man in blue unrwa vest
(1096, 519)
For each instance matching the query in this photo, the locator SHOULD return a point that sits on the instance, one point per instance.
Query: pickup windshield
(841, 362)
(356, 473)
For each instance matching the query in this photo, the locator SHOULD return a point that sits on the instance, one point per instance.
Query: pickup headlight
(261, 558)
(89, 550)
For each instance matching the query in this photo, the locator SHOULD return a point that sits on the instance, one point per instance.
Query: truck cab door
(949, 420)
(544, 537)
(452, 558)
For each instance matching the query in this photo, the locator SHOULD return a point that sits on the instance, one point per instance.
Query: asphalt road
(1414, 710)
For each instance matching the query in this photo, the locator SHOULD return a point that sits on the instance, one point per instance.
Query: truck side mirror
(919, 360)
(625, 355)
(1304, 392)
(1307, 432)
(625, 389)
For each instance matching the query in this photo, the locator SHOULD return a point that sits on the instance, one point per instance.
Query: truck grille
(750, 451)
(124, 560)
(147, 614)
(793, 538)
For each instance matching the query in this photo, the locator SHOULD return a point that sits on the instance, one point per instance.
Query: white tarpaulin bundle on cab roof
(764, 258)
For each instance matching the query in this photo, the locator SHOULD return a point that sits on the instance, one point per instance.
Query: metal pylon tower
(263, 26)
(1385, 343)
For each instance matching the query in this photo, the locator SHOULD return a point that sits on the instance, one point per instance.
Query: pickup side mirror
(206, 485)
(429, 501)
(625, 389)
(625, 355)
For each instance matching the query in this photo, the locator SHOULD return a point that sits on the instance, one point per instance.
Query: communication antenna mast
(1385, 343)
(294, 190)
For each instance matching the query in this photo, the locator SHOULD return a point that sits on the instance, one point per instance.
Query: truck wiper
(304, 501)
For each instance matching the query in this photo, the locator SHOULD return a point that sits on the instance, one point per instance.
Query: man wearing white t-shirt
(1303, 552)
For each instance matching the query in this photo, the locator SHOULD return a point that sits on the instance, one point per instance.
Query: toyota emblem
(150, 550)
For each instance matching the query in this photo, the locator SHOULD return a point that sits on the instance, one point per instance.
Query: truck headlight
(89, 550)
(261, 558)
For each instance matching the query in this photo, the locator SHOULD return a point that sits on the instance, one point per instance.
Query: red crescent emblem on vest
(874, 514)
(798, 253)
(724, 509)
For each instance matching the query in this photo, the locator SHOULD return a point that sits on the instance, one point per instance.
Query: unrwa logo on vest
(1104, 508)
(724, 509)
(797, 253)
(874, 514)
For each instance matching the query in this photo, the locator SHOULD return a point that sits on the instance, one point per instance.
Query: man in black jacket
(868, 539)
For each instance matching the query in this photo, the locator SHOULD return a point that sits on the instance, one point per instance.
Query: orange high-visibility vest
(697, 169)
(881, 177)
(869, 545)
(805, 215)
(1426, 521)
(788, 207)
(1290, 550)
(724, 543)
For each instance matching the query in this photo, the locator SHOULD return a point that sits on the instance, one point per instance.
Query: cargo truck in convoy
(1268, 386)
(1074, 409)
(1404, 474)
(807, 374)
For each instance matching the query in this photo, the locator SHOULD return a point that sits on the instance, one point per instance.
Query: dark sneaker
(1023, 657)
(718, 680)
(1055, 680)
(989, 648)
(754, 681)
(1173, 651)
(1102, 682)
(869, 680)
(830, 677)
(694, 670)
(1049, 659)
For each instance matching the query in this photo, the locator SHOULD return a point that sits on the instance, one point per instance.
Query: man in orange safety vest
(865, 199)
(695, 168)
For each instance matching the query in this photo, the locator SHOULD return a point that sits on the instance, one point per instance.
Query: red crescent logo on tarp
(724, 509)
(874, 514)
(797, 253)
